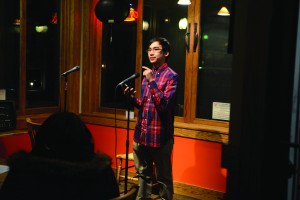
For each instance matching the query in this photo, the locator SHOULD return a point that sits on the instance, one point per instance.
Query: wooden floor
(184, 193)
(175, 197)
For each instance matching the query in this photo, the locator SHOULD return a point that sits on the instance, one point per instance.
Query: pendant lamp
(184, 2)
(223, 11)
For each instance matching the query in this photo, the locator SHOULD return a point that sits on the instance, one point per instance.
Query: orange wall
(10, 144)
(195, 162)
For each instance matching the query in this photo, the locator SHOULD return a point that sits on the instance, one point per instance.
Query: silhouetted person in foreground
(61, 165)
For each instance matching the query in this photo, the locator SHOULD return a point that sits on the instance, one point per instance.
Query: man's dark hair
(166, 47)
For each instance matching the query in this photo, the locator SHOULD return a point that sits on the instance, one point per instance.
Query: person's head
(64, 136)
(158, 50)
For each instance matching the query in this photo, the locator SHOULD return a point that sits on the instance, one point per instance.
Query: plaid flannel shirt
(155, 123)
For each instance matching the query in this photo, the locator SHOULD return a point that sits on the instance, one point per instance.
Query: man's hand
(127, 90)
(148, 73)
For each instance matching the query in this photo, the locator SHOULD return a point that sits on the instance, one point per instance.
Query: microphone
(134, 76)
(76, 68)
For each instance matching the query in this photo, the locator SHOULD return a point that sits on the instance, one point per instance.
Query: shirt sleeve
(136, 101)
(162, 99)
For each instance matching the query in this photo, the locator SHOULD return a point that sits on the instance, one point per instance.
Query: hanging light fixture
(223, 11)
(184, 2)
(182, 23)
(132, 15)
(145, 26)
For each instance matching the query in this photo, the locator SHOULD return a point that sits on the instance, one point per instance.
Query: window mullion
(23, 41)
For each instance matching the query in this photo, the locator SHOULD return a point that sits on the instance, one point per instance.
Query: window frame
(38, 113)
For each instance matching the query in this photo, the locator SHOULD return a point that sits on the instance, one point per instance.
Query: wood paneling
(22, 86)
(70, 52)
(207, 132)
(91, 58)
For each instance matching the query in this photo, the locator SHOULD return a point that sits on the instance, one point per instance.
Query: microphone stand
(127, 136)
(127, 143)
(65, 74)
(66, 90)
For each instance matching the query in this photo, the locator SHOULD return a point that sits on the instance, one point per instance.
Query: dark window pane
(118, 61)
(9, 49)
(42, 53)
(214, 72)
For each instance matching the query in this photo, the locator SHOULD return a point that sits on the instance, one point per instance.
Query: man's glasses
(155, 49)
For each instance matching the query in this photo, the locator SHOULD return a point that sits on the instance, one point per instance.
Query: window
(214, 68)
(118, 58)
(30, 51)
(118, 62)
(42, 53)
(9, 50)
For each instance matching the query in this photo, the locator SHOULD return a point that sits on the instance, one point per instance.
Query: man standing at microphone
(154, 130)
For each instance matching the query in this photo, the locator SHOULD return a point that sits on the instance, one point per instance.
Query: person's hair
(166, 47)
(64, 136)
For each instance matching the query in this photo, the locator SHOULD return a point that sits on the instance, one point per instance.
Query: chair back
(32, 128)
(130, 195)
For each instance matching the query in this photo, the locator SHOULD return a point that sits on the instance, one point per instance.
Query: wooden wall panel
(70, 52)
(91, 59)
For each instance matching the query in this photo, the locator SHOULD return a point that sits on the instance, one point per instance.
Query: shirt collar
(154, 69)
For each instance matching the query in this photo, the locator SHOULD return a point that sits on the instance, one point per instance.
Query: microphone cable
(116, 135)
